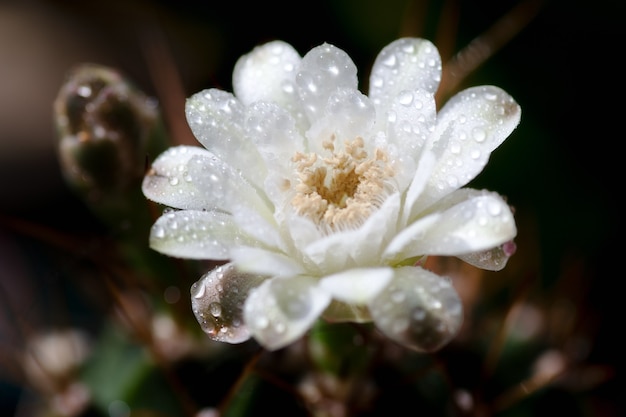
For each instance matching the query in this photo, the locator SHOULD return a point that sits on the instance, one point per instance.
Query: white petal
(425, 167)
(217, 119)
(251, 209)
(217, 300)
(169, 183)
(359, 247)
(274, 132)
(267, 73)
(281, 310)
(410, 120)
(491, 259)
(470, 221)
(407, 64)
(263, 261)
(347, 114)
(357, 286)
(196, 234)
(469, 127)
(322, 70)
(418, 309)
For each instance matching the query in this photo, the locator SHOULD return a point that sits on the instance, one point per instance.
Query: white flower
(325, 200)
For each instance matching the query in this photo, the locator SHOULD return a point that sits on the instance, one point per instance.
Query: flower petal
(324, 69)
(356, 286)
(281, 310)
(418, 309)
(267, 73)
(359, 247)
(216, 119)
(263, 261)
(217, 300)
(466, 221)
(491, 259)
(348, 114)
(407, 64)
(235, 195)
(274, 132)
(469, 127)
(410, 120)
(195, 234)
(168, 181)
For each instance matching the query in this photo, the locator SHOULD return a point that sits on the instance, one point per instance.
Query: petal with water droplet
(357, 286)
(494, 259)
(168, 182)
(281, 310)
(273, 131)
(414, 116)
(264, 261)
(235, 195)
(267, 73)
(323, 69)
(216, 119)
(347, 114)
(466, 221)
(418, 309)
(196, 234)
(469, 127)
(217, 300)
(407, 64)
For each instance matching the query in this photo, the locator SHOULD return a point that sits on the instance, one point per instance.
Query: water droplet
(159, 232)
(405, 98)
(494, 208)
(215, 309)
(174, 181)
(390, 61)
(479, 134)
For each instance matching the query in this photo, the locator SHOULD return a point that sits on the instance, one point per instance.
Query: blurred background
(545, 333)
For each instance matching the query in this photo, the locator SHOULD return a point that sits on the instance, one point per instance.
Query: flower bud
(106, 128)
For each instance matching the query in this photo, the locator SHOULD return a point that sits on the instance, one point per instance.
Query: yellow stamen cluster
(342, 190)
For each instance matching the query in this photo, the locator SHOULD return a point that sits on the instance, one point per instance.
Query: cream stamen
(342, 190)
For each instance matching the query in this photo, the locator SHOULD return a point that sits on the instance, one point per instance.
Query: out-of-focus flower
(106, 127)
(325, 200)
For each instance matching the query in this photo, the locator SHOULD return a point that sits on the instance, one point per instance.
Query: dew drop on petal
(479, 134)
(426, 318)
(217, 299)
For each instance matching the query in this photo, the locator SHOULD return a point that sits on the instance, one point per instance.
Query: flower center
(341, 191)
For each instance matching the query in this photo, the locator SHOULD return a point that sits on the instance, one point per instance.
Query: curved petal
(418, 309)
(235, 195)
(360, 247)
(322, 70)
(491, 259)
(267, 73)
(407, 64)
(281, 310)
(466, 221)
(194, 234)
(168, 182)
(410, 120)
(217, 300)
(356, 286)
(217, 119)
(263, 261)
(469, 127)
(274, 132)
(348, 114)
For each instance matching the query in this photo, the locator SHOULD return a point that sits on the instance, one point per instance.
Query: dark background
(561, 169)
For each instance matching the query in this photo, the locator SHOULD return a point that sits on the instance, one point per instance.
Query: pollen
(342, 188)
